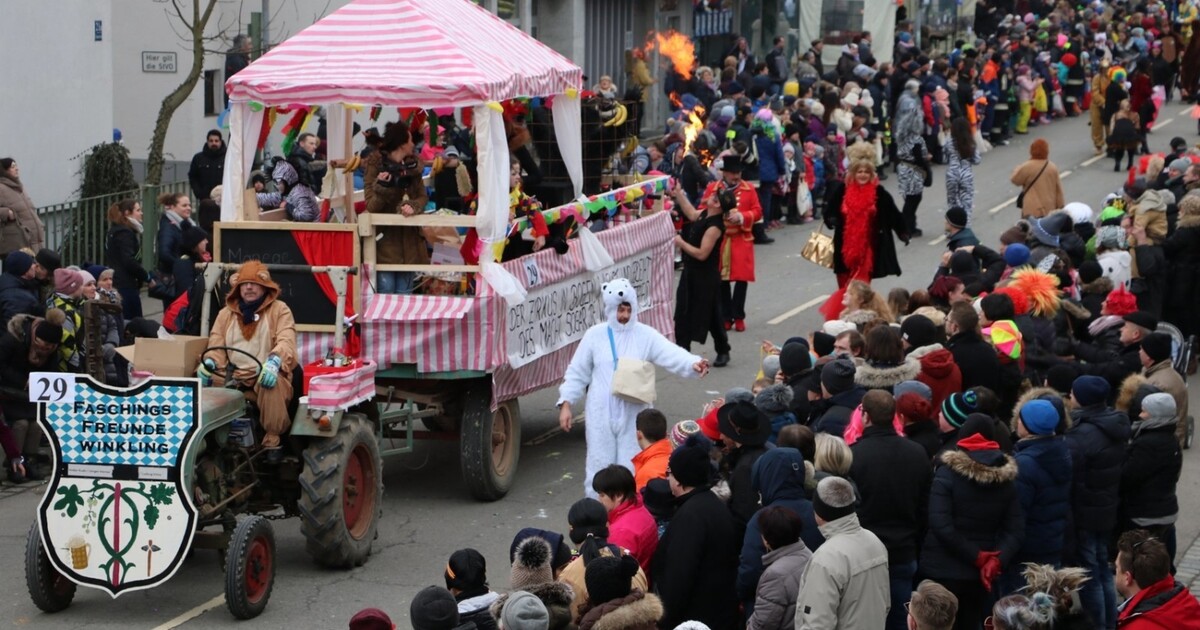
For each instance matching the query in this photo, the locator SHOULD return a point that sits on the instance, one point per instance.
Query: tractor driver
(256, 321)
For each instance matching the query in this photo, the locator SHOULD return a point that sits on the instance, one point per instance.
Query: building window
(214, 93)
(841, 20)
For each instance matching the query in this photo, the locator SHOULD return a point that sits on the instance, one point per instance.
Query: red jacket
(631, 527)
(1166, 604)
(737, 248)
(938, 371)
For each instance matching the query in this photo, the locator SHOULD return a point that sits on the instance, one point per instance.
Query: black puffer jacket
(1097, 439)
(1044, 487)
(893, 476)
(743, 499)
(1151, 470)
(695, 564)
(973, 507)
(976, 360)
(835, 412)
(122, 253)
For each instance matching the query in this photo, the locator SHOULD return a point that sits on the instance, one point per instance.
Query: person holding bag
(1041, 190)
(609, 367)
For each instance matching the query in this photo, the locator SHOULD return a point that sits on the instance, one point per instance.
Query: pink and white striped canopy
(405, 53)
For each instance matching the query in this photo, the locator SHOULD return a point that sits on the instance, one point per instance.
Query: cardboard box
(166, 357)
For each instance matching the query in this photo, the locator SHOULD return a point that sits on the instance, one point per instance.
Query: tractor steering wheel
(230, 368)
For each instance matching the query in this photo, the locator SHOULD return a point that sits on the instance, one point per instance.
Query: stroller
(1181, 356)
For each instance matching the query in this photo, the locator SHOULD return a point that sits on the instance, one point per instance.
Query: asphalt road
(427, 512)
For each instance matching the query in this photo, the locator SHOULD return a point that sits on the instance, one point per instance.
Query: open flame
(693, 125)
(675, 46)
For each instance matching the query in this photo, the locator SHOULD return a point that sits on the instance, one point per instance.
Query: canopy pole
(348, 181)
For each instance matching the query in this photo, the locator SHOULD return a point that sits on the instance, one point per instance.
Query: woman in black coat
(697, 307)
(1182, 250)
(863, 216)
(1151, 471)
(123, 254)
(975, 520)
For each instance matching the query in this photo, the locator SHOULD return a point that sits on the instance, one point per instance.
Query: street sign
(116, 516)
(98, 30)
(156, 61)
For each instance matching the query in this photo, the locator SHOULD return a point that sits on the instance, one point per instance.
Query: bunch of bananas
(619, 118)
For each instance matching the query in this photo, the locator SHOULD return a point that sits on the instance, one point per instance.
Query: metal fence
(77, 229)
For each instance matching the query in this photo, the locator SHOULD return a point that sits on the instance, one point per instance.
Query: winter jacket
(695, 564)
(398, 245)
(801, 407)
(574, 573)
(555, 596)
(26, 228)
(1163, 376)
(207, 169)
(1164, 605)
(893, 476)
(837, 410)
(632, 527)
(771, 162)
(651, 463)
(973, 507)
(845, 584)
(779, 587)
(870, 375)
(476, 610)
(779, 477)
(743, 500)
(1114, 369)
(775, 401)
(1092, 296)
(1043, 196)
(926, 435)
(1044, 487)
(169, 242)
(15, 368)
(1097, 440)
(962, 238)
(976, 360)
(1150, 212)
(123, 254)
(938, 371)
(18, 296)
(1182, 250)
(636, 611)
(1153, 461)
(70, 355)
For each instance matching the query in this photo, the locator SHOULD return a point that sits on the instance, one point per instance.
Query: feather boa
(858, 222)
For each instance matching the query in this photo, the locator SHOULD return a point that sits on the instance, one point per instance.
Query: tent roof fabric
(406, 53)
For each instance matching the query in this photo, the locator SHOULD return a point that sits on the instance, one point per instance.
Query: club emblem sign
(116, 515)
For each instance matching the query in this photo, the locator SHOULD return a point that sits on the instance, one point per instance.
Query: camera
(402, 173)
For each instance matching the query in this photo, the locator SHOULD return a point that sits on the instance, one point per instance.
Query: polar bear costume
(611, 427)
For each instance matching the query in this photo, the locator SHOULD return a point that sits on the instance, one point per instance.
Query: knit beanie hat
(433, 608)
(1061, 377)
(770, 366)
(1157, 346)
(608, 578)
(913, 387)
(561, 554)
(1016, 255)
(524, 611)
(67, 282)
(17, 263)
(1090, 390)
(1090, 271)
(1180, 164)
(838, 376)
(833, 499)
(823, 343)
(466, 570)
(1039, 417)
(794, 359)
(86, 277)
(918, 331)
(371, 619)
(531, 566)
(957, 406)
(1159, 406)
(956, 217)
(681, 431)
(192, 237)
(50, 329)
(836, 327)
(97, 271)
(690, 464)
(978, 424)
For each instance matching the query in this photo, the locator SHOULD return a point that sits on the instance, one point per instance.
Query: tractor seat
(218, 403)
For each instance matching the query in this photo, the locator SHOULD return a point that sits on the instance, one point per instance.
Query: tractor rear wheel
(250, 567)
(489, 444)
(341, 498)
(50, 590)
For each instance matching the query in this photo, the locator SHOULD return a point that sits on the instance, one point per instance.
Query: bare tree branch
(179, 12)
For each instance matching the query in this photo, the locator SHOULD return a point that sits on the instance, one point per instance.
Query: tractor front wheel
(341, 498)
(50, 590)
(250, 567)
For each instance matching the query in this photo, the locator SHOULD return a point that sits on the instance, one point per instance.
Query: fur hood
(1075, 309)
(557, 597)
(637, 610)
(859, 317)
(20, 324)
(968, 465)
(1188, 219)
(775, 399)
(872, 377)
(1100, 286)
(917, 353)
(1031, 394)
(1128, 389)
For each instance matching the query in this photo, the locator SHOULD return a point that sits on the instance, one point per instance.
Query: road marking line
(1003, 205)
(193, 613)
(1163, 123)
(1092, 160)
(1186, 111)
(1064, 174)
(938, 240)
(799, 309)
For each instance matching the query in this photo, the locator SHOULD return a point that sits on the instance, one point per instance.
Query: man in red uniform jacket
(737, 249)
